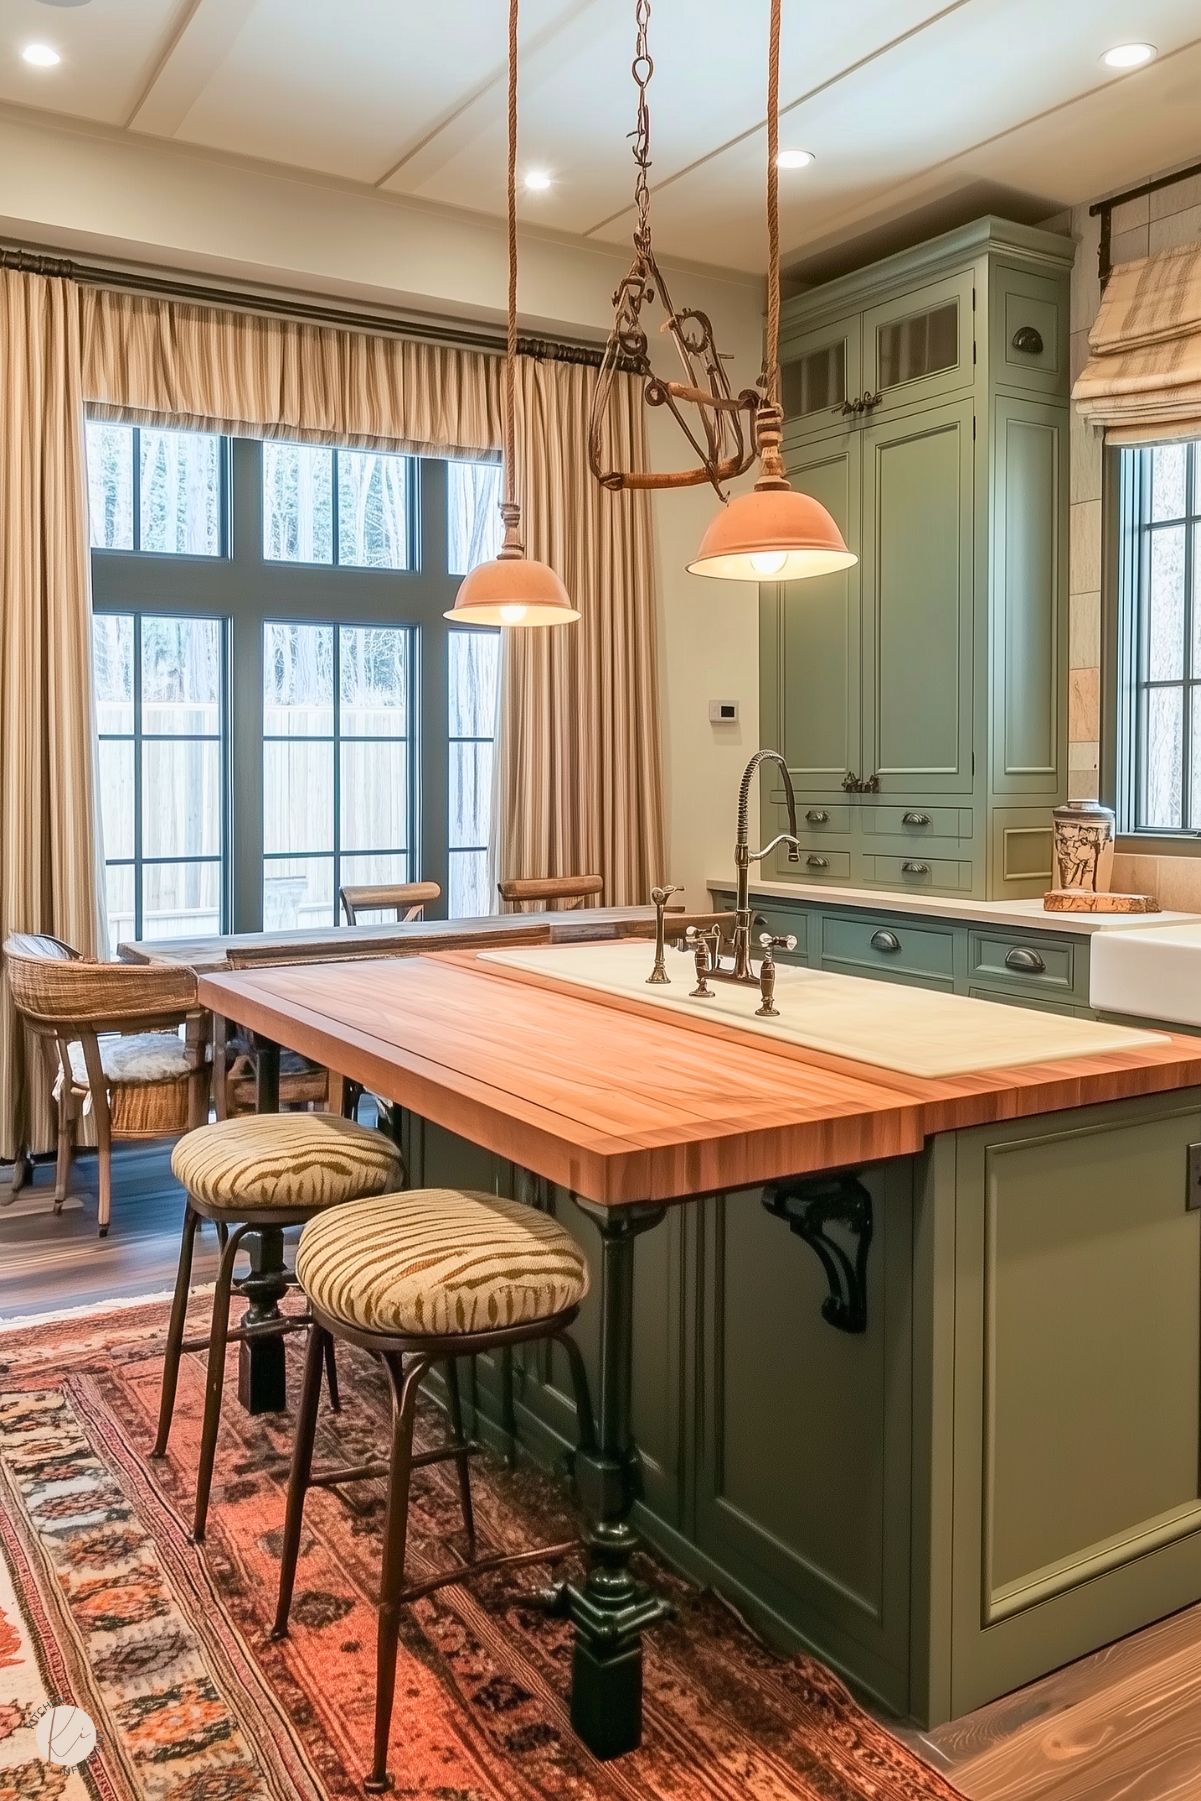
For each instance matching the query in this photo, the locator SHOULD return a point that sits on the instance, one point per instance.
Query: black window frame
(1127, 508)
(249, 590)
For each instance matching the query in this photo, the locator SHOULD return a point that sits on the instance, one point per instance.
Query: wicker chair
(520, 893)
(404, 900)
(110, 1036)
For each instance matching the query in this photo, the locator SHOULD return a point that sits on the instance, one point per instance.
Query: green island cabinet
(1000, 1472)
(920, 697)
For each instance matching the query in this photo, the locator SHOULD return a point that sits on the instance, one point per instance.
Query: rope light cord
(771, 362)
(510, 511)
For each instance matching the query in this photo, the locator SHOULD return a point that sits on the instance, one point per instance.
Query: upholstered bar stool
(257, 1175)
(426, 1276)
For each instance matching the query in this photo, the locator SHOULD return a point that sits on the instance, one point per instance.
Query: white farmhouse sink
(1153, 974)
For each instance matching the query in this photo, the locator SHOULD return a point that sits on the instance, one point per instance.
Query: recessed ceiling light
(794, 159)
(1129, 56)
(536, 180)
(41, 56)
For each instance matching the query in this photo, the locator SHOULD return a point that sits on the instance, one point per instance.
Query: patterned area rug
(105, 1605)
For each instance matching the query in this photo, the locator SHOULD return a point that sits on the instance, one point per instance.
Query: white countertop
(1153, 975)
(968, 912)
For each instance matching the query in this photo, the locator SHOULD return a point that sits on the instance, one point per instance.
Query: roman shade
(1142, 381)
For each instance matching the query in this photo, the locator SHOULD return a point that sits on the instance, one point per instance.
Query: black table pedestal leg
(610, 1608)
(262, 1382)
(262, 1378)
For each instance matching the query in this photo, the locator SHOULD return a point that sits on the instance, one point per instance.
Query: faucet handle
(784, 941)
(661, 896)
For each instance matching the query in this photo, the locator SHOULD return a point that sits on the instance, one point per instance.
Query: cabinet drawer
(1042, 1003)
(1024, 961)
(919, 871)
(918, 823)
(820, 818)
(819, 863)
(890, 945)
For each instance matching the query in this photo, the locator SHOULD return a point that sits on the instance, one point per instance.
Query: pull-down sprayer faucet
(744, 856)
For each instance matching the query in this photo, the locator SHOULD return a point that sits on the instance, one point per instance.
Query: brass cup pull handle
(915, 868)
(885, 941)
(817, 816)
(1028, 962)
(818, 862)
(915, 819)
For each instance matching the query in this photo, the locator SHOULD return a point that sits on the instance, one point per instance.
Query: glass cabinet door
(918, 346)
(820, 373)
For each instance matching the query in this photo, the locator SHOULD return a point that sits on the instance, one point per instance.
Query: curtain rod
(466, 336)
(1104, 208)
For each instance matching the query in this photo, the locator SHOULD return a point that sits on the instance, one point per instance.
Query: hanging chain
(642, 68)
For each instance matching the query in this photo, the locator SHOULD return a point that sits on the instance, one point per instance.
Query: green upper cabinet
(810, 637)
(927, 405)
(918, 346)
(916, 562)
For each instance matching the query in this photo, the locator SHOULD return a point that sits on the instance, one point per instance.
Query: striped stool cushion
(287, 1160)
(439, 1261)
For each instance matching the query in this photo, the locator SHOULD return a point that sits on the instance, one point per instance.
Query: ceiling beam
(200, 42)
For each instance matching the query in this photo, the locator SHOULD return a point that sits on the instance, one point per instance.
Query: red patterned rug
(105, 1605)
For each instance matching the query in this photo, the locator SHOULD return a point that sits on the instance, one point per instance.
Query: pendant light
(772, 533)
(512, 589)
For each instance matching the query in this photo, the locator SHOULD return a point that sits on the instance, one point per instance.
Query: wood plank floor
(1122, 1725)
(49, 1261)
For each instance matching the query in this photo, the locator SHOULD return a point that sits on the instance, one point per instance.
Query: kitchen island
(914, 1378)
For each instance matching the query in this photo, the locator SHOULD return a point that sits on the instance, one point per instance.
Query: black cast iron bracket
(810, 1206)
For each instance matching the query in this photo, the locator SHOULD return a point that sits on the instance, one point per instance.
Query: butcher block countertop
(622, 1101)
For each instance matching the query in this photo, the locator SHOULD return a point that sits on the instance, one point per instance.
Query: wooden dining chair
(523, 893)
(403, 900)
(110, 1034)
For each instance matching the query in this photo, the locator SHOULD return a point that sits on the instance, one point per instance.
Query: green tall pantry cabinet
(920, 698)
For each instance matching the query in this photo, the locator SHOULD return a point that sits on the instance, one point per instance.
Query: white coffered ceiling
(911, 107)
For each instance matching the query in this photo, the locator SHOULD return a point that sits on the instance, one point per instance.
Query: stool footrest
(367, 1472)
(479, 1566)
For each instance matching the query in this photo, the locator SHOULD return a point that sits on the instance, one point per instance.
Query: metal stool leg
(331, 1373)
(463, 1459)
(218, 1339)
(298, 1479)
(404, 1405)
(179, 1313)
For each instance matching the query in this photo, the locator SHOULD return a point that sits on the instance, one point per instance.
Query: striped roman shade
(1142, 381)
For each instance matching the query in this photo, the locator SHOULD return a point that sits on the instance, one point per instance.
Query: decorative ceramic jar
(1084, 837)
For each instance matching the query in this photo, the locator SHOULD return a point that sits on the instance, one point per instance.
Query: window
(160, 697)
(336, 766)
(1158, 738)
(282, 707)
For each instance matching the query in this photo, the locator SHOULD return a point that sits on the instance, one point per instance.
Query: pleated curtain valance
(250, 374)
(1142, 381)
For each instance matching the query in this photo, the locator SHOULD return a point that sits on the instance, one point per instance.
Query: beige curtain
(1142, 381)
(49, 849)
(580, 786)
(245, 373)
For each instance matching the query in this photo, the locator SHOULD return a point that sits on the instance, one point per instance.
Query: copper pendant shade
(511, 589)
(772, 533)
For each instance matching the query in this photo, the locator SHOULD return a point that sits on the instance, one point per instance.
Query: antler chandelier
(716, 422)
